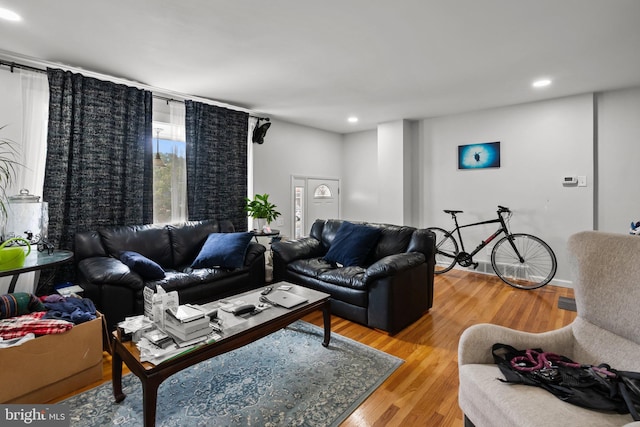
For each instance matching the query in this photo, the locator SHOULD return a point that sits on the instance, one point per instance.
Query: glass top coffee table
(37, 261)
(250, 329)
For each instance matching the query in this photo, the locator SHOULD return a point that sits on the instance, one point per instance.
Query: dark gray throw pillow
(146, 268)
(224, 250)
(352, 244)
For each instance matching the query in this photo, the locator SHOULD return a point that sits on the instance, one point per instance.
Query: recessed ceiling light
(541, 83)
(9, 15)
(352, 119)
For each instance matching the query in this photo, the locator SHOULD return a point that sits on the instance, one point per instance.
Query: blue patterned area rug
(285, 379)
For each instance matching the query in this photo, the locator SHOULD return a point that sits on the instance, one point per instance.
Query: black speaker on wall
(261, 130)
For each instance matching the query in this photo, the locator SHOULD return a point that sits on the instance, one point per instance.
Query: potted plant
(262, 210)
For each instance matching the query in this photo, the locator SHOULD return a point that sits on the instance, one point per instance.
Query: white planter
(259, 223)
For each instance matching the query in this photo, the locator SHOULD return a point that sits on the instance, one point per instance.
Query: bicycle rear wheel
(446, 250)
(537, 268)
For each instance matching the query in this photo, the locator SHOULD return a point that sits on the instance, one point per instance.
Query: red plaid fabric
(19, 326)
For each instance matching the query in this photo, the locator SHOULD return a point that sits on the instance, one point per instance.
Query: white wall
(391, 172)
(360, 176)
(618, 202)
(540, 143)
(380, 174)
(288, 150)
(413, 174)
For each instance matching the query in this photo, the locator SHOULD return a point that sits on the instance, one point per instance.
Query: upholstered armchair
(606, 330)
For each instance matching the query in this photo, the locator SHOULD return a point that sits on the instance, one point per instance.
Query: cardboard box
(51, 366)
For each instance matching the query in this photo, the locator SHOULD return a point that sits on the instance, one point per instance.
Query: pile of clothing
(24, 316)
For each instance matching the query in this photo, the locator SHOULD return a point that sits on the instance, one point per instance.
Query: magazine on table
(186, 313)
(156, 355)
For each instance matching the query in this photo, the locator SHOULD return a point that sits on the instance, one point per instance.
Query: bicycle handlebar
(501, 209)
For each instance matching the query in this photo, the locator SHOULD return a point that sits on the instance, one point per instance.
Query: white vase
(259, 224)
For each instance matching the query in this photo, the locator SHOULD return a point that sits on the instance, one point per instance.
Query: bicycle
(520, 260)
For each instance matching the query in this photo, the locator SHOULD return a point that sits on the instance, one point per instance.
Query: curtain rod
(164, 98)
(163, 93)
(13, 65)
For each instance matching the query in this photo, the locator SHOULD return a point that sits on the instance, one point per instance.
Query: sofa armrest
(397, 300)
(424, 241)
(476, 341)
(254, 250)
(393, 264)
(109, 271)
(291, 250)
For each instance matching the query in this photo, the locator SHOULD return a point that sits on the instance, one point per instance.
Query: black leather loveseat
(390, 289)
(117, 291)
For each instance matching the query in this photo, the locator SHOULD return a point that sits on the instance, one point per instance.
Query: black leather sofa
(390, 291)
(117, 291)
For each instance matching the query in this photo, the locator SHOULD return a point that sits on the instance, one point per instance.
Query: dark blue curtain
(216, 163)
(98, 170)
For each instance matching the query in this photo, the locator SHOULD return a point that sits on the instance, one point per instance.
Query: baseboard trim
(481, 270)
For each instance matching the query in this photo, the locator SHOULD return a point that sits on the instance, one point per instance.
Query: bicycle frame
(520, 260)
(503, 229)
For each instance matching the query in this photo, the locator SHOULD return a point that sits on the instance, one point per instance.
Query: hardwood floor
(424, 390)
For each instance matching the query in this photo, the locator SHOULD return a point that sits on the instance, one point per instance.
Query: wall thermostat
(570, 180)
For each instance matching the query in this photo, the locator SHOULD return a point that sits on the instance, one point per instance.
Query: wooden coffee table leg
(326, 316)
(150, 387)
(150, 400)
(116, 376)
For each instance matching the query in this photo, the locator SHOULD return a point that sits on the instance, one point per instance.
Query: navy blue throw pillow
(146, 268)
(352, 244)
(224, 250)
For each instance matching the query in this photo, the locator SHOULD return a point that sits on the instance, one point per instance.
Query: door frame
(292, 196)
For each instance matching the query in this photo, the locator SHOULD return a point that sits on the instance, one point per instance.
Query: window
(322, 191)
(169, 164)
(299, 212)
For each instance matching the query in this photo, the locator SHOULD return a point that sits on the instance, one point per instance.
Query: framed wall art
(479, 156)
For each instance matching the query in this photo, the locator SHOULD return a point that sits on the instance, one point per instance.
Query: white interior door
(323, 201)
(314, 198)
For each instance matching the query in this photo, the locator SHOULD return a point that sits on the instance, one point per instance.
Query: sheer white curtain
(179, 167)
(32, 150)
(35, 114)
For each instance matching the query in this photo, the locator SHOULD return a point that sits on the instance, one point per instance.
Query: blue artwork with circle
(479, 156)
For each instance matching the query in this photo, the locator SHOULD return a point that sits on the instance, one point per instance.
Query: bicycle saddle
(452, 212)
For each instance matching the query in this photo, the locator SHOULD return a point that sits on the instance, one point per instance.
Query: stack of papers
(156, 355)
(157, 345)
(187, 324)
(159, 338)
(136, 326)
(186, 313)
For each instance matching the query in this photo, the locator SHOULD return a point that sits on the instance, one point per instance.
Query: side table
(37, 261)
(268, 259)
(272, 233)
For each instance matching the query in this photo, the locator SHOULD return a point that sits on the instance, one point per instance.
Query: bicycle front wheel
(446, 250)
(523, 261)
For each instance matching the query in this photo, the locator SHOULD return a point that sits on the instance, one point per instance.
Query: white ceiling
(317, 62)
